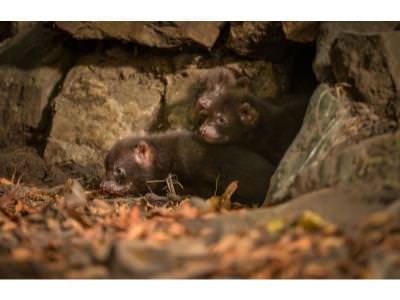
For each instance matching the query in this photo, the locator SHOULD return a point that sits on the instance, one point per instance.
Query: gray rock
(140, 259)
(152, 34)
(329, 31)
(103, 99)
(267, 80)
(181, 94)
(24, 164)
(370, 64)
(20, 163)
(332, 123)
(325, 153)
(31, 66)
(258, 39)
(300, 31)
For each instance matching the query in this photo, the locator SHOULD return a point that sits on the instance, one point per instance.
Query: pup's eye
(120, 173)
(220, 120)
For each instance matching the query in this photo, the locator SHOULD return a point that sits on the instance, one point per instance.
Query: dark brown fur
(134, 161)
(218, 81)
(236, 117)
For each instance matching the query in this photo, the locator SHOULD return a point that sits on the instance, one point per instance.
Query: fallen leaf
(275, 227)
(310, 221)
(217, 203)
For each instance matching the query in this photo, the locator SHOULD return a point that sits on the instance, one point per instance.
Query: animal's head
(129, 165)
(230, 118)
(218, 81)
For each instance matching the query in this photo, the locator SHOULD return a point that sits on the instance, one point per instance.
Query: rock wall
(349, 134)
(69, 90)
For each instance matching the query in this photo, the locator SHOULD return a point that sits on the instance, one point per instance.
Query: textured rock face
(258, 39)
(373, 162)
(152, 34)
(329, 31)
(102, 99)
(76, 97)
(267, 80)
(25, 164)
(301, 31)
(31, 66)
(332, 123)
(181, 94)
(347, 135)
(370, 64)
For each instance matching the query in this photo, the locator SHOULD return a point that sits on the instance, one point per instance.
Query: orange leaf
(19, 206)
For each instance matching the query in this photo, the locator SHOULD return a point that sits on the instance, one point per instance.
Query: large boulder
(258, 39)
(300, 31)
(328, 33)
(182, 89)
(103, 98)
(370, 64)
(24, 164)
(32, 64)
(332, 123)
(344, 206)
(152, 34)
(374, 162)
(340, 137)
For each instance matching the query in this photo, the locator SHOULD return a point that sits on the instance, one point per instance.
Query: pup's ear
(248, 114)
(143, 154)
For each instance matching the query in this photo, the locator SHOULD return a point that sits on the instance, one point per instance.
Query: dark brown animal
(238, 118)
(217, 81)
(135, 163)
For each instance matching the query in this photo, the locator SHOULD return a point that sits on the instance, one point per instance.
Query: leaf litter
(73, 233)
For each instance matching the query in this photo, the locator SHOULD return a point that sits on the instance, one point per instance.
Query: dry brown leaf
(19, 206)
(185, 210)
(21, 254)
(176, 229)
(5, 181)
(136, 231)
(225, 244)
(159, 236)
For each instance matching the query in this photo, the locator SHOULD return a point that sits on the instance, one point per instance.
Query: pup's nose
(107, 185)
(202, 130)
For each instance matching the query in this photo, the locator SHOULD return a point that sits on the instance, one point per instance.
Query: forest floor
(66, 232)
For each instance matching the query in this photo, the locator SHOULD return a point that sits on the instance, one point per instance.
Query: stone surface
(181, 93)
(267, 80)
(24, 164)
(300, 31)
(329, 31)
(370, 64)
(373, 162)
(365, 104)
(103, 98)
(152, 34)
(332, 123)
(344, 206)
(31, 66)
(258, 39)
